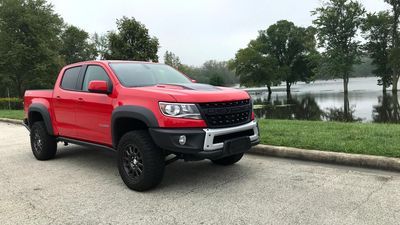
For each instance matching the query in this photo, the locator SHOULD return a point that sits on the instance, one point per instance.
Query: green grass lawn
(12, 114)
(362, 138)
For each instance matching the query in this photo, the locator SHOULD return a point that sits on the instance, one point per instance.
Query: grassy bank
(361, 138)
(12, 114)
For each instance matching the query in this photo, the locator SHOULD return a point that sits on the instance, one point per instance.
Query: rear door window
(70, 78)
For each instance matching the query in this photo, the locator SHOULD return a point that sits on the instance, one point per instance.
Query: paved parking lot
(82, 186)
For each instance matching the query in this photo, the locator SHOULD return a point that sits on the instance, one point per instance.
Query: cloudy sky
(195, 30)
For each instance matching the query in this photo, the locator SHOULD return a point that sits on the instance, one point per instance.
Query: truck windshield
(141, 74)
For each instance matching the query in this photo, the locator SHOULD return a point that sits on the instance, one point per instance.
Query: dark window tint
(138, 74)
(94, 73)
(70, 78)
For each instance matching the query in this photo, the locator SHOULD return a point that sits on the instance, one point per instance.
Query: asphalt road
(82, 186)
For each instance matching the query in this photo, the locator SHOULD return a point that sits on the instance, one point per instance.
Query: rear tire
(44, 145)
(141, 163)
(226, 161)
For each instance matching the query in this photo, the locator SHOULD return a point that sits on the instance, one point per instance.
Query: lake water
(324, 100)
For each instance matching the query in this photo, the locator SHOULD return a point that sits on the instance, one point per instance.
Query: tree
(283, 52)
(101, 44)
(172, 60)
(216, 80)
(253, 68)
(292, 48)
(29, 43)
(218, 73)
(388, 109)
(76, 45)
(394, 56)
(337, 23)
(132, 42)
(377, 31)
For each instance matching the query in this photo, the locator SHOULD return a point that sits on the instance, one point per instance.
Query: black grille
(226, 114)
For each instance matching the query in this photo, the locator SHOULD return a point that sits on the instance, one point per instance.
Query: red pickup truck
(149, 113)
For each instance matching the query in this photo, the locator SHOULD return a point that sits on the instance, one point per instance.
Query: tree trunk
(269, 90)
(269, 98)
(395, 79)
(384, 89)
(288, 84)
(396, 108)
(20, 90)
(346, 84)
(346, 108)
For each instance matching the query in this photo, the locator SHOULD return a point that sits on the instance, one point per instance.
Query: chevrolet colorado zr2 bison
(146, 112)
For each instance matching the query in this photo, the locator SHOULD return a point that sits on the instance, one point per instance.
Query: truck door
(93, 111)
(65, 101)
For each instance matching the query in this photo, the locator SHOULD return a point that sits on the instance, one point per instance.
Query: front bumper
(205, 143)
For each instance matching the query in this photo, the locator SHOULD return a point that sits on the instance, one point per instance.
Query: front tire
(226, 161)
(140, 162)
(44, 145)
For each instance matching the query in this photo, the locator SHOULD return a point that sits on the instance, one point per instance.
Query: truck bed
(43, 96)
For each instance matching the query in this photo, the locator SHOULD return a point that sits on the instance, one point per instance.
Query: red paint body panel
(87, 116)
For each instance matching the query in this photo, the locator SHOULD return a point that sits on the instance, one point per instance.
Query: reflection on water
(388, 109)
(324, 100)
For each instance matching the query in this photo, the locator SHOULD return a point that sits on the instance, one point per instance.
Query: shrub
(11, 103)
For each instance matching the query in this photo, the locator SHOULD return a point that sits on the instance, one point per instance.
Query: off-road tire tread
(153, 160)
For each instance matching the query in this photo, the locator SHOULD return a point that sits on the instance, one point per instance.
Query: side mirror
(194, 81)
(98, 86)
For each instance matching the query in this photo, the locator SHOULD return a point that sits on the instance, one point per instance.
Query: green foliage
(29, 44)
(132, 42)
(377, 30)
(388, 109)
(337, 23)
(101, 45)
(283, 52)
(394, 52)
(216, 80)
(253, 68)
(364, 69)
(294, 48)
(11, 103)
(76, 45)
(211, 72)
(172, 60)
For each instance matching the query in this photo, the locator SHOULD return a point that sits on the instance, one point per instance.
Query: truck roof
(111, 61)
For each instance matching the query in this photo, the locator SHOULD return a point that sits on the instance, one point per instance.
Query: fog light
(182, 140)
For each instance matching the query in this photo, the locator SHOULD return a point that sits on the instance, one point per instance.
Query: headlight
(180, 110)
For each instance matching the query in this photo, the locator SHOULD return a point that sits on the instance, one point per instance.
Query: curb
(357, 160)
(340, 158)
(13, 121)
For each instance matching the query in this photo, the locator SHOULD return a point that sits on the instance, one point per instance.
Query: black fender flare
(40, 108)
(135, 112)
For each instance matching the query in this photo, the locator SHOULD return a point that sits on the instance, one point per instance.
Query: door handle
(80, 99)
(58, 97)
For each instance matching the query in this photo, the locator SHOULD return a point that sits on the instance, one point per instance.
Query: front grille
(226, 114)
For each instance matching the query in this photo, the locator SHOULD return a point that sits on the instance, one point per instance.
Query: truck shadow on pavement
(179, 175)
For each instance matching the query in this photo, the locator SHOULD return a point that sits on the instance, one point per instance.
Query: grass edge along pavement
(12, 114)
(356, 138)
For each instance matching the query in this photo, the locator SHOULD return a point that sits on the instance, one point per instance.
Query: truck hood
(198, 93)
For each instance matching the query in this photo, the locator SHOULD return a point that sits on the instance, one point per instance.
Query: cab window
(70, 78)
(94, 73)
